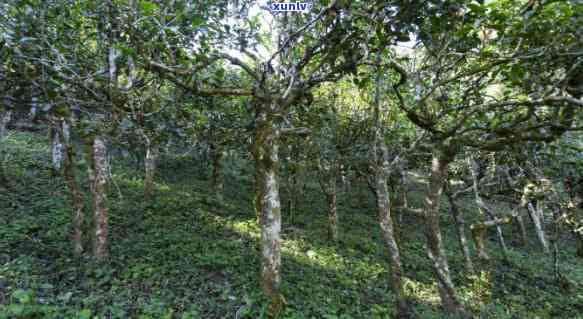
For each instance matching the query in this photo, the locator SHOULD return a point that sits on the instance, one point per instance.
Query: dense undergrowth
(187, 255)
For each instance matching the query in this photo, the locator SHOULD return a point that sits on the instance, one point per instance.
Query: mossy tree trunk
(98, 178)
(265, 152)
(76, 194)
(441, 157)
(379, 161)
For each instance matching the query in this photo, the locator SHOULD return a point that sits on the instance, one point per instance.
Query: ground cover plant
(222, 159)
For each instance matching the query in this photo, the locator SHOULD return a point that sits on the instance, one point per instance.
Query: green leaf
(22, 296)
(16, 309)
(148, 8)
(84, 314)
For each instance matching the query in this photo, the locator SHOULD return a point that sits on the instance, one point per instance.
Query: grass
(187, 255)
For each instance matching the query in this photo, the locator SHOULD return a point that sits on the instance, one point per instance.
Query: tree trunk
(150, 169)
(378, 184)
(440, 161)
(522, 229)
(579, 252)
(56, 147)
(540, 233)
(328, 171)
(332, 211)
(258, 194)
(5, 117)
(217, 179)
(388, 231)
(483, 208)
(265, 152)
(99, 198)
(461, 232)
(76, 194)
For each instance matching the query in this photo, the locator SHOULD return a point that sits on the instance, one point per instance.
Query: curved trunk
(268, 204)
(76, 194)
(378, 185)
(388, 231)
(440, 161)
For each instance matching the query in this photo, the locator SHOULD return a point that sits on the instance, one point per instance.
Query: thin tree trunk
(56, 147)
(522, 229)
(483, 208)
(388, 231)
(327, 179)
(449, 300)
(217, 178)
(461, 232)
(332, 216)
(5, 117)
(381, 169)
(100, 218)
(150, 168)
(329, 188)
(265, 151)
(540, 233)
(76, 193)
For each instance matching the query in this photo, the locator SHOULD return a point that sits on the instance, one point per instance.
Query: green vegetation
(359, 159)
(186, 255)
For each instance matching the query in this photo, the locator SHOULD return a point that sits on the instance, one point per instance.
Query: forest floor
(185, 254)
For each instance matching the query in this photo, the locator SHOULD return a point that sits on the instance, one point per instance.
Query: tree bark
(265, 152)
(540, 233)
(388, 231)
(5, 117)
(56, 147)
(150, 160)
(484, 211)
(522, 229)
(441, 158)
(461, 232)
(76, 194)
(329, 189)
(381, 169)
(328, 171)
(217, 178)
(100, 218)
